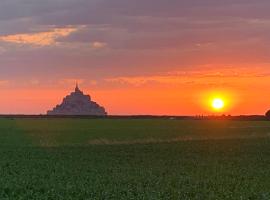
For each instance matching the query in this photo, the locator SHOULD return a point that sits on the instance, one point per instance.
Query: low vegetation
(134, 159)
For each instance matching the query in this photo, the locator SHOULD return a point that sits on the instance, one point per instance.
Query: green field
(134, 159)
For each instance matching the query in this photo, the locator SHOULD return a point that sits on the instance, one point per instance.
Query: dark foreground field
(134, 159)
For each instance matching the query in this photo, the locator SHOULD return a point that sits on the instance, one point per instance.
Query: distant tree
(268, 114)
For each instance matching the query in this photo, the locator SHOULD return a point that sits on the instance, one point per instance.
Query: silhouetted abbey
(78, 104)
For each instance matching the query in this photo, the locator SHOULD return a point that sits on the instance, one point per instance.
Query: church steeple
(77, 89)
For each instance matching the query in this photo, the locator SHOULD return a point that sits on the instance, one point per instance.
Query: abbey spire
(77, 89)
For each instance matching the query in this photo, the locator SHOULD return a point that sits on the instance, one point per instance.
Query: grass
(57, 159)
(70, 132)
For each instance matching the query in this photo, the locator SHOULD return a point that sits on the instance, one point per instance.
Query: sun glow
(218, 104)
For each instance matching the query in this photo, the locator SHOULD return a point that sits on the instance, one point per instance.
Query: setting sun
(218, 103)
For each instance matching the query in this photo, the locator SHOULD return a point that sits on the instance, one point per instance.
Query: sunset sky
(136, 57)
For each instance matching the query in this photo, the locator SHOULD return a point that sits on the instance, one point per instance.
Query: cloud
(205, 76)
(40, 39)
(71, 81)
(4, 82)
(144, 36)
(98, 45)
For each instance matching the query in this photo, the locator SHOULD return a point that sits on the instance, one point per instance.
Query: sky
(136, 57)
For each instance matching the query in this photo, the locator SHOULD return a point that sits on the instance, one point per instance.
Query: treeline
(198, 117)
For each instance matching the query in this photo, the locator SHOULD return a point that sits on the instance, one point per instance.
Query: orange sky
(174, 93)
(136, 57)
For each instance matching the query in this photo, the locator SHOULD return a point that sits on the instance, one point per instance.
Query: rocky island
(77, 103)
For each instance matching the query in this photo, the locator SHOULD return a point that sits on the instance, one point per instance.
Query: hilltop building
(77, 103)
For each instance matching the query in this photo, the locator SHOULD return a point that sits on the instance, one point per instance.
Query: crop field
(134, 159)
